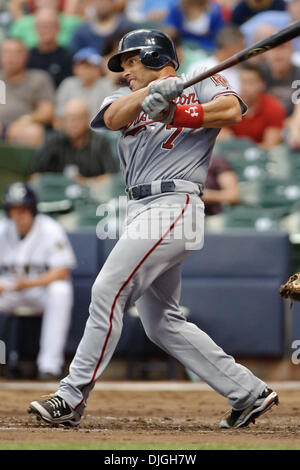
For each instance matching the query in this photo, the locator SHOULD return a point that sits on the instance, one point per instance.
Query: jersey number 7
(169, 143)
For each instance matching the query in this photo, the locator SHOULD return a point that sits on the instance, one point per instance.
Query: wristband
(188, 116)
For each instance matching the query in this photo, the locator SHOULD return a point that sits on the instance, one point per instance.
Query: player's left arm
(218, 104)
(222, 111)
(51, 275)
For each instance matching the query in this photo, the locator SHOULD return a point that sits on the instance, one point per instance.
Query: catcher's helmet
(156, 49)
(20, 194)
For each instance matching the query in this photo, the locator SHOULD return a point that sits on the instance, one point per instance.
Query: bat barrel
(280, 37)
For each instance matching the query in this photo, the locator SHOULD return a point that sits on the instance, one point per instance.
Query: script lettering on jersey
(186, 100)
(143, 119)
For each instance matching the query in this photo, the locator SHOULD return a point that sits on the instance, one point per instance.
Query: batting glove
(169, 88)
(158, 108)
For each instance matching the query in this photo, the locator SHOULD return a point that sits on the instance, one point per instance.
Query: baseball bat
(283, 35)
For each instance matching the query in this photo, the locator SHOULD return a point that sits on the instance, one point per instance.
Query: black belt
(143, 190)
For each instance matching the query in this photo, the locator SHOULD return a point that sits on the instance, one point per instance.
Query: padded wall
(231, 288)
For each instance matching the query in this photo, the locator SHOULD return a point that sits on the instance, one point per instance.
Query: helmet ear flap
(153, 58)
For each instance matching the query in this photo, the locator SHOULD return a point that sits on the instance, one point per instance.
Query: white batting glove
(169, 88)
(158, 108)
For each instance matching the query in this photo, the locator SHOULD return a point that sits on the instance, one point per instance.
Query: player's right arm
(124, 110)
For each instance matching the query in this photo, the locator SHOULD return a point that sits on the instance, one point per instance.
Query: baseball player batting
(166, 140)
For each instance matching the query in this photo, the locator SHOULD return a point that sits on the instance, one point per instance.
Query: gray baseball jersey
(150, 151)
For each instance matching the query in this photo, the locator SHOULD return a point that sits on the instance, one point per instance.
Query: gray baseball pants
(145, 271)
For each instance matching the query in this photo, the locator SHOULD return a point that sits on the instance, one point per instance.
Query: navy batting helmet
(155, 48)
(20, 194)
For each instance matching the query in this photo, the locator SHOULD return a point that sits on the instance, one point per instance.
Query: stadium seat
(86, 216)
(58, 194)
(257, 218)
(16, 158)
(112, 187)
(248, 160)
(284, 164)
(273, 193)
(15, 164)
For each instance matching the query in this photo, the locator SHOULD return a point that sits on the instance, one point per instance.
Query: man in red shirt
(265, 118)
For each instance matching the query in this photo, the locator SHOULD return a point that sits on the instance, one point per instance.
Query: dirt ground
(156, 417)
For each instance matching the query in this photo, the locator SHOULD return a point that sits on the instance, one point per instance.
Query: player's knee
(169, 325)
(154, 332)
(102, 288)
(97, 288)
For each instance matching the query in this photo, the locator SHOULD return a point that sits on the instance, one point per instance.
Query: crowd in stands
(53, 59)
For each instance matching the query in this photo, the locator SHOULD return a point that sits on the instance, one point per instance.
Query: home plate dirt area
(160, 413)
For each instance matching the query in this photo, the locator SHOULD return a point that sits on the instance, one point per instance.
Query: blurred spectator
(140, 11)
(35, 263)
(17, 8)
(293, 8)
(188, 56)
(262, 25)
(246, 9)
(227, 7)
(279, 74)
(260, 33)
(30, 96)
(24, 27)
(88, 82)
(86, 8)
(275, 20)
(283, 81)
(293, 125)
(75, 150)
(82, 8)
(221, 186)
(229, 41)
(264, 120)
(48, 55)
(197, 21)
(157, 10)
(106, 22)
(6, 18)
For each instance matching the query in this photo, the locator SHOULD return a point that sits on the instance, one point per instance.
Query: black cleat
(55, 411)
(241, 418)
